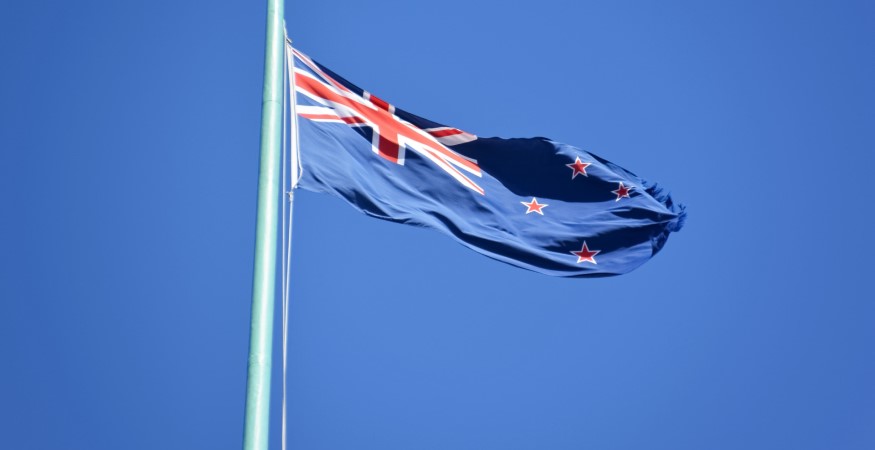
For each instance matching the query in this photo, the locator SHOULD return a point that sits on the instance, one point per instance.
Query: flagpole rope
(287, 277)
(286, 281)
(292, 167)
(285, 224)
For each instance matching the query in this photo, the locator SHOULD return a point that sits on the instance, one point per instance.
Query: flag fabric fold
(531, 202)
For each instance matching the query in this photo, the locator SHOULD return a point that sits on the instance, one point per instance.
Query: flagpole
(255, 433)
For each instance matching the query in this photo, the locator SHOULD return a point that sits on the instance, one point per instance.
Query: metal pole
(255, 433)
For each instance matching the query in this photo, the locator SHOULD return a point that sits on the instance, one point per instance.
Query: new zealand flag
(534, 203)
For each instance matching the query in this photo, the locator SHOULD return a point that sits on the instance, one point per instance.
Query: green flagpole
(255, 433)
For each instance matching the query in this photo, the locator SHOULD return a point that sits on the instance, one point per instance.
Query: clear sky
(128, 165)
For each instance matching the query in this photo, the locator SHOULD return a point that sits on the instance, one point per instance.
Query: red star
(622, 192)
(578, 168)
(534, 206)
(585, 254)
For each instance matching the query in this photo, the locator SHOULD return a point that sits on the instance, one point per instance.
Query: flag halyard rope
(291, 173)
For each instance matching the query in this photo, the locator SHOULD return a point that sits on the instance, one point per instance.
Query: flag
(530, 202)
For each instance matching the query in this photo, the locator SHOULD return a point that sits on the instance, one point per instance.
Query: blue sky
(128, 170)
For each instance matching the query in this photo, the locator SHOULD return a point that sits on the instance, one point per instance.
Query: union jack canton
(530, 202)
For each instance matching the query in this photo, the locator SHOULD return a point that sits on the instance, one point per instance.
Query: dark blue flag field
(532, 202)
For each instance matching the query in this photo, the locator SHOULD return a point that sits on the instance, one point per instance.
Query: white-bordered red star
(534, 206)
(622, 191)
(585, 254)
(578, 167)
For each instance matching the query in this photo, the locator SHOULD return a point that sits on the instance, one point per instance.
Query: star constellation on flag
(585, 254)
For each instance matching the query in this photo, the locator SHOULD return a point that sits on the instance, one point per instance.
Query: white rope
(286, 277)
(285, 280)
(289, 185)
